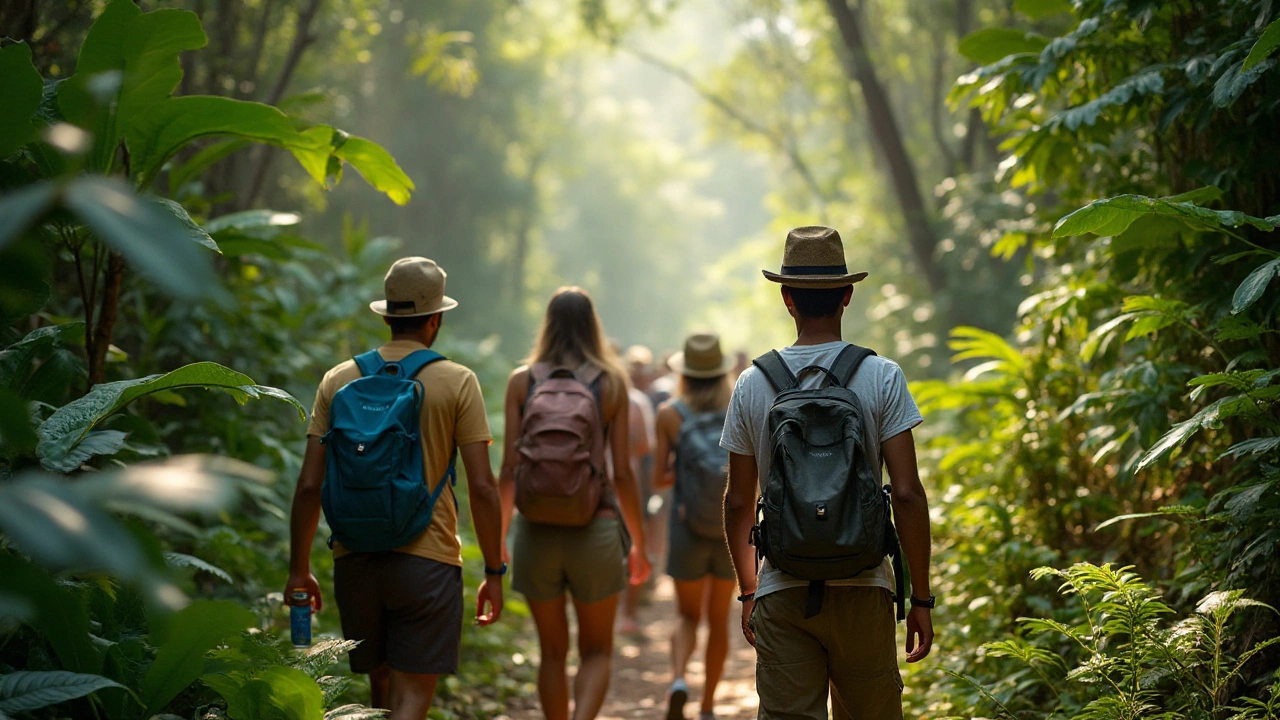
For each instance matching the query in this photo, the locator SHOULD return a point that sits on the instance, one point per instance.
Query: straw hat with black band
(414, 287)
(701, 357)
(814, 258)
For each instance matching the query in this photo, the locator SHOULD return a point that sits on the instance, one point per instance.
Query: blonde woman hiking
(689, 427)
(564, 410)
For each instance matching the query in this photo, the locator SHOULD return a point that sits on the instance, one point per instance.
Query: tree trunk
(106, 324)
(975, 129)
(884, 128)
(261, 156)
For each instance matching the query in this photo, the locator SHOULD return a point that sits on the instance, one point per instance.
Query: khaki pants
(847, 649)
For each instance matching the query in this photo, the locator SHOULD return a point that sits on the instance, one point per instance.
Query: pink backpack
(560, 478)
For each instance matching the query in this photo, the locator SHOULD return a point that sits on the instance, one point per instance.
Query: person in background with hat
(698, 562)
(406, 607)
(848, 649)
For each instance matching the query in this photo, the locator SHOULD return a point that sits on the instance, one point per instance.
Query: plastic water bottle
(300, 617)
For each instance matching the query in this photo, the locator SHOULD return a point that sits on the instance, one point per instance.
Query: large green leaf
(1223, 408)
(21, 88)
(167, 126)
(153, 42)
(277, 693)
(193, 631)
(152, 239)
(67, 427)
(378, 168)
(84, 98)
(992, 44)
(1112, 216)
(15, 359)
(194, 232)
(29, 690)
(50, 521)
(183, 483)
(1266, 45)
(1254, 285)
(20, 209)
(1235, 80)
(144, 50)
(59, 615)
(17, 437)
(1149, 81)
(202, 160)
(252, 220)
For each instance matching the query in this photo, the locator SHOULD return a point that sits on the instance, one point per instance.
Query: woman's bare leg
(595, 656)
(552, 622)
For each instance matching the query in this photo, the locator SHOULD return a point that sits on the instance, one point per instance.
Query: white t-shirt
(879, 384)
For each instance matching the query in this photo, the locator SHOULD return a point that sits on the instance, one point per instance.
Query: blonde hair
(571, 335)
(705, 394)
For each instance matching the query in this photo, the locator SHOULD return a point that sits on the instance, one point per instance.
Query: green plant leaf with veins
(69, 425)
(27, 690)
(193, 631)
(21, 87)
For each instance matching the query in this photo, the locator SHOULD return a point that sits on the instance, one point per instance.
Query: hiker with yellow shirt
(385, 433)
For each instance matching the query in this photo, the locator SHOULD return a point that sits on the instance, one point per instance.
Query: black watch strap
(917, 602)
(499, 572)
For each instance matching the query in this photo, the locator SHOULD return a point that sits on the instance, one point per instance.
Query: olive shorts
(847, 649)
(588, 561)
(691, 556)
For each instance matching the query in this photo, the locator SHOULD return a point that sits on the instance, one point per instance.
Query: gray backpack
(823, 515)
(702, 468)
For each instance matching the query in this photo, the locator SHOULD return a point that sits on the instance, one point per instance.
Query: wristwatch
(917, 602)
(499, 572)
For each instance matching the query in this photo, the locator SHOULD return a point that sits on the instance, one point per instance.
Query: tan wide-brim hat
(814, 258)
(701, 357)
(414, 287)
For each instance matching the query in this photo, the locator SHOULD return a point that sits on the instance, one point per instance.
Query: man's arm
(739, 515)
(512, 407)
(303, 518)
(911, 515)
(486, 516)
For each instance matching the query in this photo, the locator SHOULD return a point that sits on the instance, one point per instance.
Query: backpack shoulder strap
(848, 362)
(413, 363)
(370, 363)
(776, 371)
(589, 375)
(682, 408)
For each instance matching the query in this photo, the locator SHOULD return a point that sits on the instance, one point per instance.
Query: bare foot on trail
(642, 671)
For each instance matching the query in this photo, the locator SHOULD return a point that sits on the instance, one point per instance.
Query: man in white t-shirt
(849, 648)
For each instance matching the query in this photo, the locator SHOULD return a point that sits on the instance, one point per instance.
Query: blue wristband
(500, 572)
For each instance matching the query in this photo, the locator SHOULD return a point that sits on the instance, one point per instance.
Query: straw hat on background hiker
(701, 357)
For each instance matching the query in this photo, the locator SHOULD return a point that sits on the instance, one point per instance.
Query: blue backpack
(374, 496)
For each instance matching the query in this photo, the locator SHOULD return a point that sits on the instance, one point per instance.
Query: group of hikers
(774, 471)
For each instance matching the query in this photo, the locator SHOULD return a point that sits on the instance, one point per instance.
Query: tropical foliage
(1073, 201)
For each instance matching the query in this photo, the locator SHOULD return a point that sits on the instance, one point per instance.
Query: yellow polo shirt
(453, 414)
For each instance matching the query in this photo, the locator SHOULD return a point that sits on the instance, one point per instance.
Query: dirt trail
(641, 671)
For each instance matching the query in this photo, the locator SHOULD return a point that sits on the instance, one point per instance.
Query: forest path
(641, 670)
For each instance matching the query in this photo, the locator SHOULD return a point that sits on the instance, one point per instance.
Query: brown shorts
(847, 650)
(405, 610)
